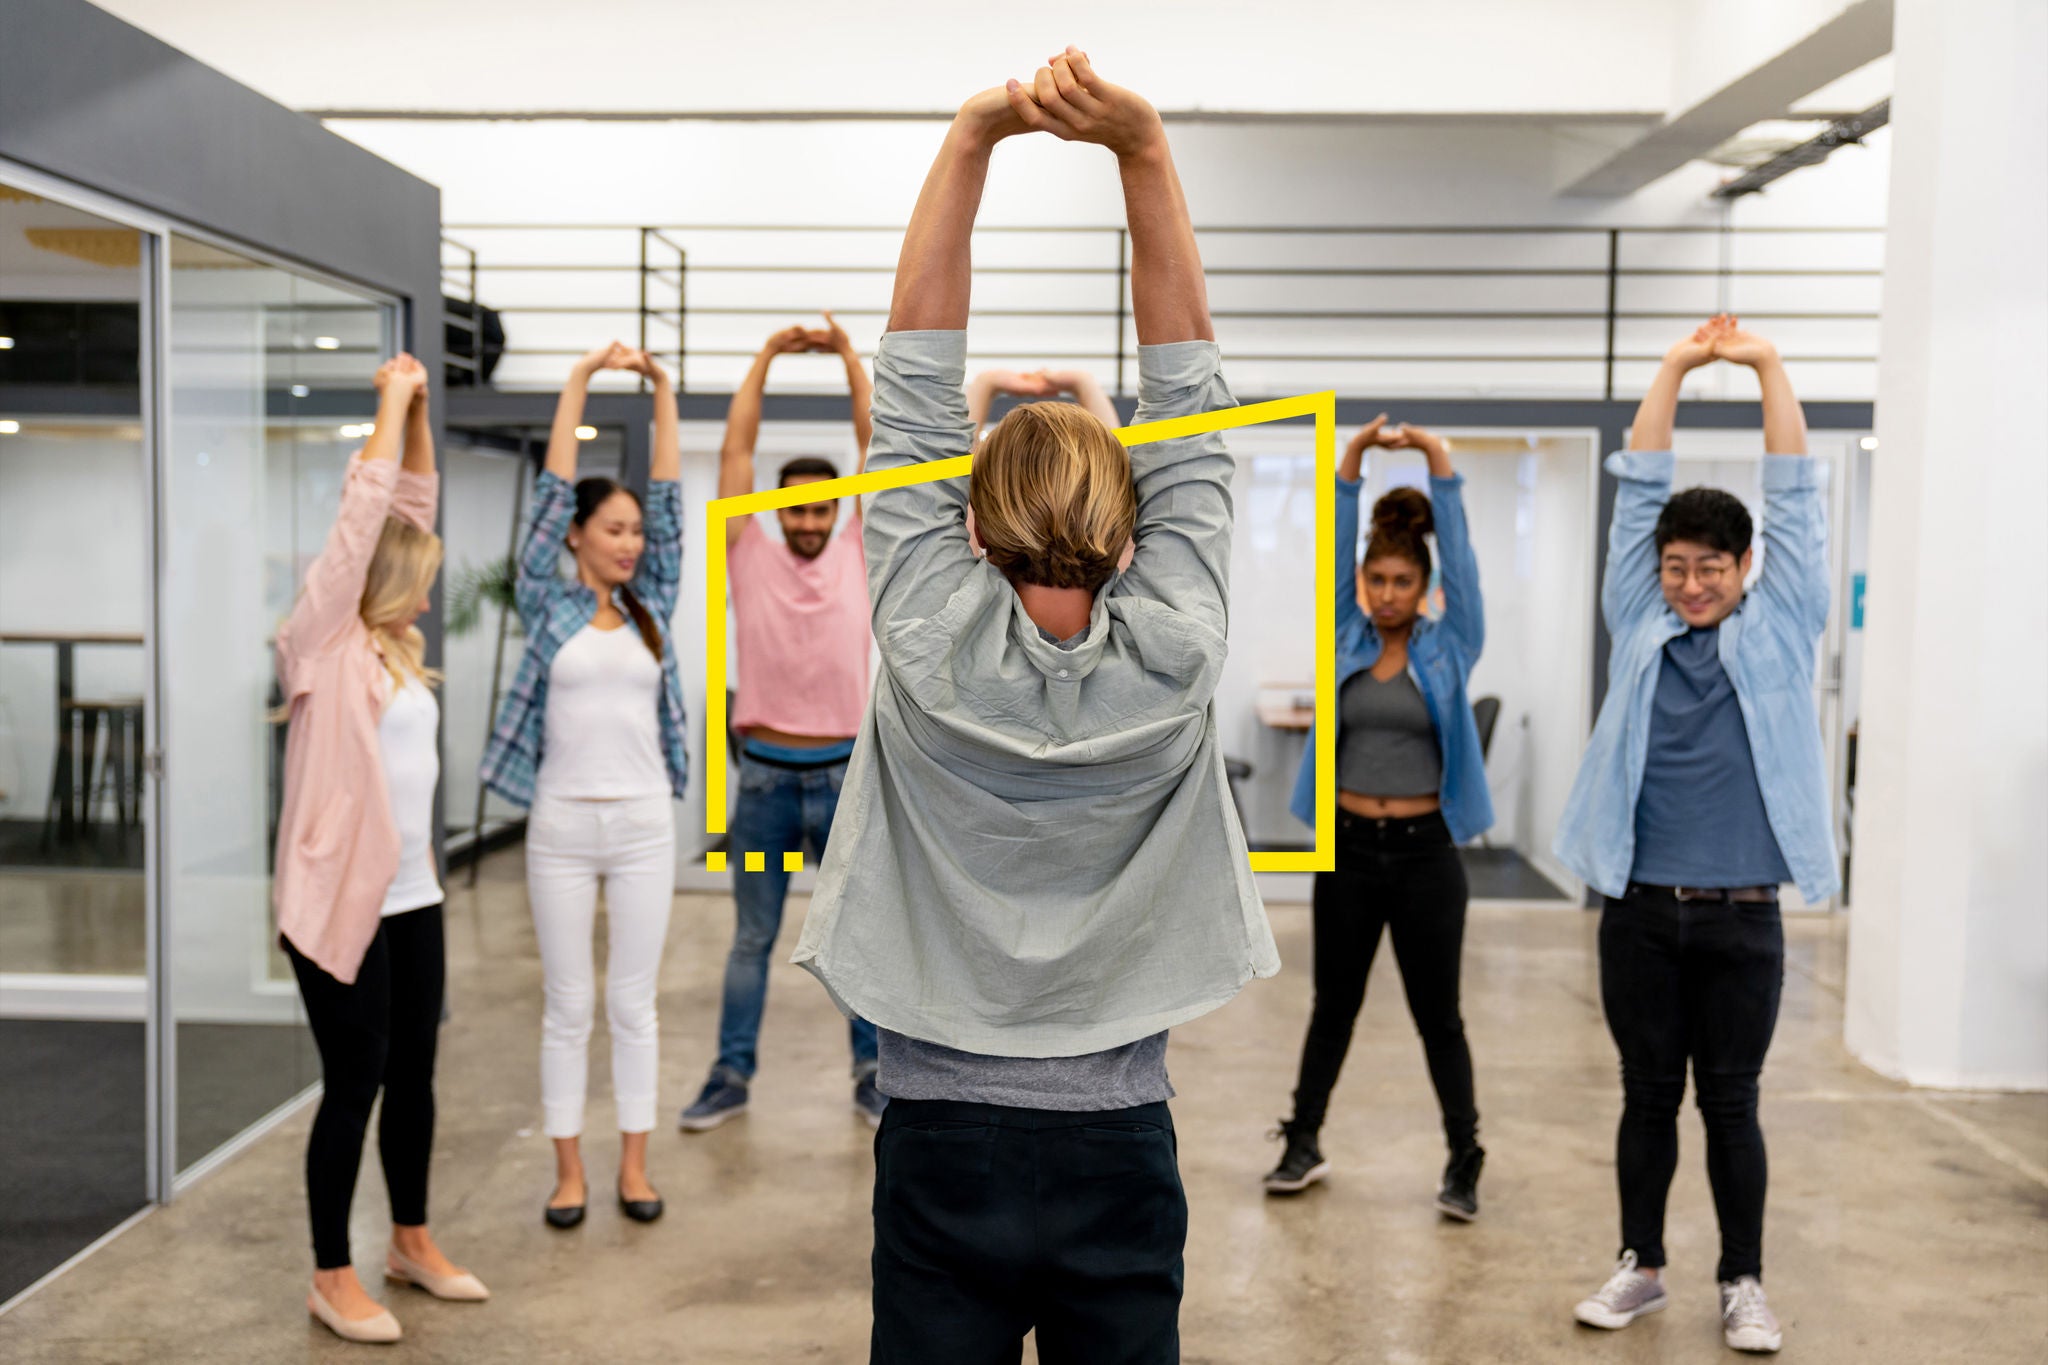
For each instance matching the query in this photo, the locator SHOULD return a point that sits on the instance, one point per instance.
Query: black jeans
(1691, 981)
(1403, 876)
(991, 1221)
(378, 1032)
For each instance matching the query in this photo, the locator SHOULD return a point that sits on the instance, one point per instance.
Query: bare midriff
(784, 738)
(1387, 807)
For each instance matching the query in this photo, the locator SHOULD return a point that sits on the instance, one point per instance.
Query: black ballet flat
(565, 1218)
(640, 1210)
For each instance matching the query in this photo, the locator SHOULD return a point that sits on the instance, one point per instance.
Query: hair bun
(1404, 511)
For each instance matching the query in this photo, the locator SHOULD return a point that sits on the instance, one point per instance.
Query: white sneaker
(1627, 1295)
(1747, 1323)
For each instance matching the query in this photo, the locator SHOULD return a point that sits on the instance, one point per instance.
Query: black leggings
(1694, 982)
(378, 1032)
(1404, 876)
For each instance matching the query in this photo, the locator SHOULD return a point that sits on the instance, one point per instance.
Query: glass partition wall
(175, 418)
(268, 384)
(74, 603)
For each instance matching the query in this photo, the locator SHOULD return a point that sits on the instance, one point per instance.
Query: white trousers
(572, 846)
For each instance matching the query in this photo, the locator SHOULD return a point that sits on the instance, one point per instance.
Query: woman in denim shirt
(1411, 787)
(591, 738)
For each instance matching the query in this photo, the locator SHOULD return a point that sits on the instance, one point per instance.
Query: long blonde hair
(1052, 496)
(401, 572)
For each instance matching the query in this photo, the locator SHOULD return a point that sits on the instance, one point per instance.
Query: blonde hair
(1052, 496)
(401, 573)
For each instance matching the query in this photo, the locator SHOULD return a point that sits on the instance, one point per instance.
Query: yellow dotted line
(754, 862)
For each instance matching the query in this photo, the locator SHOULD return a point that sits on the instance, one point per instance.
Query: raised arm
(333, 591)
(1464, 609)
(915, 537)
(1629, 589)
(562, 442)
(1344, 553)
(658, 577)
(1794, 580)
(743, 423)
(860, 391)
(935, 270)
(1087, 391)
(419, 487)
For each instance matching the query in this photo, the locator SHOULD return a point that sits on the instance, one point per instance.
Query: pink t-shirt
(803, 631)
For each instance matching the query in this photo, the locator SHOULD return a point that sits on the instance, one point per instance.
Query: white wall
(1948, 962)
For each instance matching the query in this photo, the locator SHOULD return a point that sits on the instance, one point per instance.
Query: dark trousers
(992, 1221)
(379, 1032)
(1691, 981)
(1403, 877)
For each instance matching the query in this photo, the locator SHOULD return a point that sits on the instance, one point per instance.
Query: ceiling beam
(1860, 34)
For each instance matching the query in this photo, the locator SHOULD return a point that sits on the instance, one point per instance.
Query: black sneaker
(868, 1101)
(724, 1096)
(1459, 1198)
(1301, 1165)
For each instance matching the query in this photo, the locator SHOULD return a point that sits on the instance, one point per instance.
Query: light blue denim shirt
(1440, 656)
(1767, 646)
(1036, 854)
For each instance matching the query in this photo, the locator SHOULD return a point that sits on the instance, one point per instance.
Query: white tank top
(407, 736)
(602, 735)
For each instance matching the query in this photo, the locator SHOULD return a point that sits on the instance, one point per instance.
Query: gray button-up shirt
(1035, 853)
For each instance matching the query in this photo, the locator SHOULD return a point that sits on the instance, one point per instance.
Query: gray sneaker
(1627, 1295)
(724, 1096)
(1747, 1323)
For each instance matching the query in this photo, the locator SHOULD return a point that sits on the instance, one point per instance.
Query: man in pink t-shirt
(800, 613)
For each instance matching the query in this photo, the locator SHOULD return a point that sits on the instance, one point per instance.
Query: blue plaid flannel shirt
(553, 608)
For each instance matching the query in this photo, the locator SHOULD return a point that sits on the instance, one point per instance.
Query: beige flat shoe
(462, 1287)
(381, 1328)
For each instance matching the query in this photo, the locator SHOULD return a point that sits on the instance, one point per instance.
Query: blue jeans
(780, 810)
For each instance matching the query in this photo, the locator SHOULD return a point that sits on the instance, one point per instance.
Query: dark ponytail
(1400, 520)
(591, 494)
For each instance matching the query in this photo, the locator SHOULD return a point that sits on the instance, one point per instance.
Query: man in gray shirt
(1037, 868)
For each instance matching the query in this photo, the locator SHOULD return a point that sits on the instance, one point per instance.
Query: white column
(1948, 944)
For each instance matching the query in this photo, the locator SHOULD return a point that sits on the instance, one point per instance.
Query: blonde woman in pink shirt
(357, 896)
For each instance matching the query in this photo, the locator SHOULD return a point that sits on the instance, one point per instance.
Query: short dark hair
(1706, 516)
(806, 467)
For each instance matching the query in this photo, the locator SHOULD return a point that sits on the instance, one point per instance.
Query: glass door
(268, 393)
(75, 1125)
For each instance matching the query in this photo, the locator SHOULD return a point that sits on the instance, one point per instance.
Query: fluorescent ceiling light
(1868, 443)
(326, 343)
(300, 391)
(586, 433)
(9, 428)
(6, 343)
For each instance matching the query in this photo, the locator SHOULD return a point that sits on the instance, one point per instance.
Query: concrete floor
(1904, 1227)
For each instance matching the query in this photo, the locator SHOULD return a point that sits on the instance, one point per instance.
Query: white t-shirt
(602, 735)
(408, 735)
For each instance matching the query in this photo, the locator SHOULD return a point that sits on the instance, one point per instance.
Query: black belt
(791, 765)
(1717, 895)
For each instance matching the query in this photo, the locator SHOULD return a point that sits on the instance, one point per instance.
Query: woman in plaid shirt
(591, 740)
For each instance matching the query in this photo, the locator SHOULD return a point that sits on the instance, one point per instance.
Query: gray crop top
(1386, 745)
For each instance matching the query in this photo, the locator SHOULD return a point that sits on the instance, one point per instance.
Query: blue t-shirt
(1700, 818)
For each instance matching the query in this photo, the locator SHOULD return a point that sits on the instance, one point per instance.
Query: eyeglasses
(1709, 573)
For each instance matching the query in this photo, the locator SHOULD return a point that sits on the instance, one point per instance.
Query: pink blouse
(337, 844)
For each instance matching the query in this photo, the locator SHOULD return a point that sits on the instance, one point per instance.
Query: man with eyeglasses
(1702, 790)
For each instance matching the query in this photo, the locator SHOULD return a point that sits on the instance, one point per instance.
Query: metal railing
(1451, 301)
